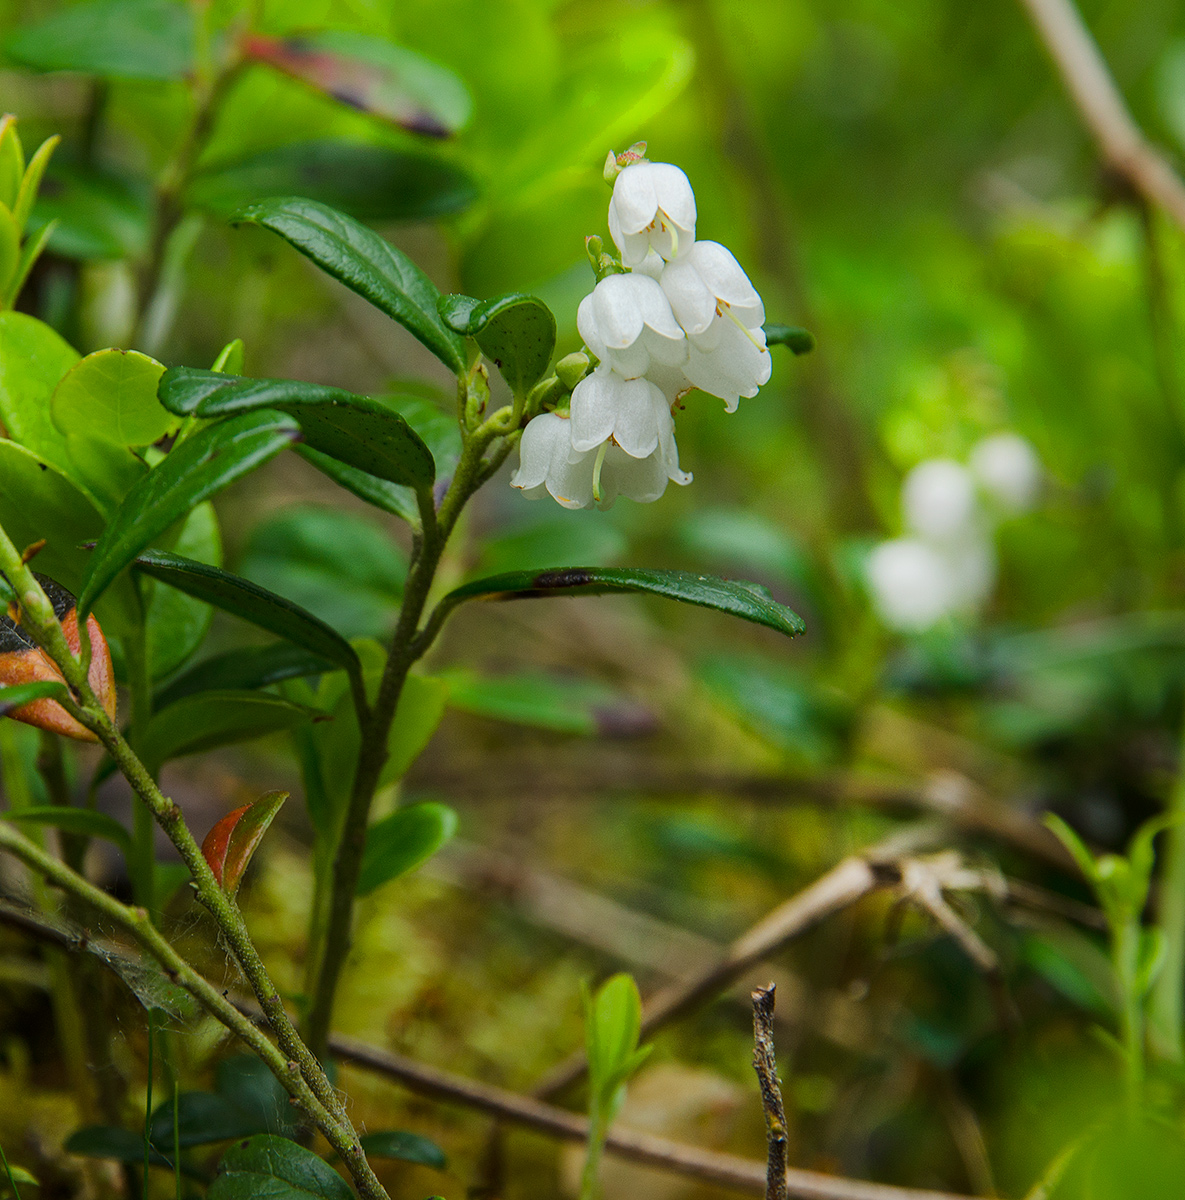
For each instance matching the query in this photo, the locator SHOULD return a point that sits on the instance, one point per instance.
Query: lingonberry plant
(105, 481)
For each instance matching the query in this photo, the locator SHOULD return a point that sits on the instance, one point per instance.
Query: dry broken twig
(765, 1063)
(1122, 146)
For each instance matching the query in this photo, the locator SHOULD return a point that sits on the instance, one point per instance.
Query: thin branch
(765, 1063)
(709, 1166)
(852, 879)
(1122, 145)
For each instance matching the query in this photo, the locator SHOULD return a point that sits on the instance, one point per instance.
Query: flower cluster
(947, 565)
(673, 315)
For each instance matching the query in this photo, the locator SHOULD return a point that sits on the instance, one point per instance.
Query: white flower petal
(653, 264)
(537, 448)
(617, 316)
(634, 197)
(596, 403)
(938, 498)
(737, 364)
(675, 197)
(641, 479)
(654, 306)
(912, 586)
(1007, 467)
(690, 298)
(638, 415)
(723, 276)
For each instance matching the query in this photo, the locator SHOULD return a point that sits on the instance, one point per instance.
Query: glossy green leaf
(231, 843)
(10, 250)
(230, 358)
(403, 841)
(210, 719)
(99, 214)
(417, 717)
(613, 1021)
(110, 395)
(31, 183)
(247, 600)
(202, 1118)
(119, 39)
(372, 75)
(278, 1169)
(12, 161)
(745, 600)
(516, 332)
(33, 359)
(35, 243)
(797, 341)
(361, 432)
(342, 566)
(194, 471)
(21, 694)
(389, 497)
(84, 821)
(369, 183)
(178, 623)
(37, 501)
(408, 1147)
(248, 668)
(365, 263)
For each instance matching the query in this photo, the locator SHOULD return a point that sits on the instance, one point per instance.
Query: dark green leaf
(212, 719)
(84, 821)
(119, 39)
(417, 717)
(246, 669)
(369, 183)
(202, 1117)
(390, 497)
(367, 264)
(401, 842)
(360, 432)
(246, 1081)
(109, 1141)
(26, 693)
(797, 341)
(410, 1147)
(194, 471)
(516, 332)
(372, 75)
(275, 1168)
(745, 600)
(344, 567)
(248, 600)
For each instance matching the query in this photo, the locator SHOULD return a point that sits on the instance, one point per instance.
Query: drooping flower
(911, 586)
(706, 281)
(633, 412)
(626, 321)
(1007, 468)
(548, 464)
(652, 206)
(939, 500)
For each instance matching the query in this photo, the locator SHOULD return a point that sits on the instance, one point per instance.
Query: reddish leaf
(229, 846)
(372, 75)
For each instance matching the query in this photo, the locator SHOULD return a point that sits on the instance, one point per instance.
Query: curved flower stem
(408, 643)
(37, 618)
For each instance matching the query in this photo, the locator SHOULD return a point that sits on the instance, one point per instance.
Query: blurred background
(911, 184)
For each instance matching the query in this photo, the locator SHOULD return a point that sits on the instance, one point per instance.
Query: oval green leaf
(356, 430)
(212, 719)
(33, 358)
(408, 1147)
(252, 603)
(110, 396)
(749, 601)
(202, 1118)
(390, 497)
(84, 821)
(271, 1166)
(248, 668)
(401, 842)
(109, 1141)
(194, 471)
(118, 39)
(366, 264)
(516, 332)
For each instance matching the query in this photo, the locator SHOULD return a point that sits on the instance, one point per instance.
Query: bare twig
(765, 1063)
(1122, 145)
(850, 880)
(709, 1166)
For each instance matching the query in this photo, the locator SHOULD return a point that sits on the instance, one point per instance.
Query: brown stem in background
(765, 1063)
(1122, 146)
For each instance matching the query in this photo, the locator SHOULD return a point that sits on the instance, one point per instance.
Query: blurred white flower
(548, 464)
(633, 412)
(912, 587)
(971, 565)
(626, 321)
(939, 500)
(652, 206)
(1007, 468)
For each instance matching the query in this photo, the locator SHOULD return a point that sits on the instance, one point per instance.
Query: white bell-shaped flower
(633, 412)
(626, 321)
(548, 464)
(653, 206)
(705, 283)
(1007, 468)
(911, 583)
(729, 359)
(939, 500)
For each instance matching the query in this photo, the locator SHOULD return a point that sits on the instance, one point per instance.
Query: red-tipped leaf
(231, 843)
